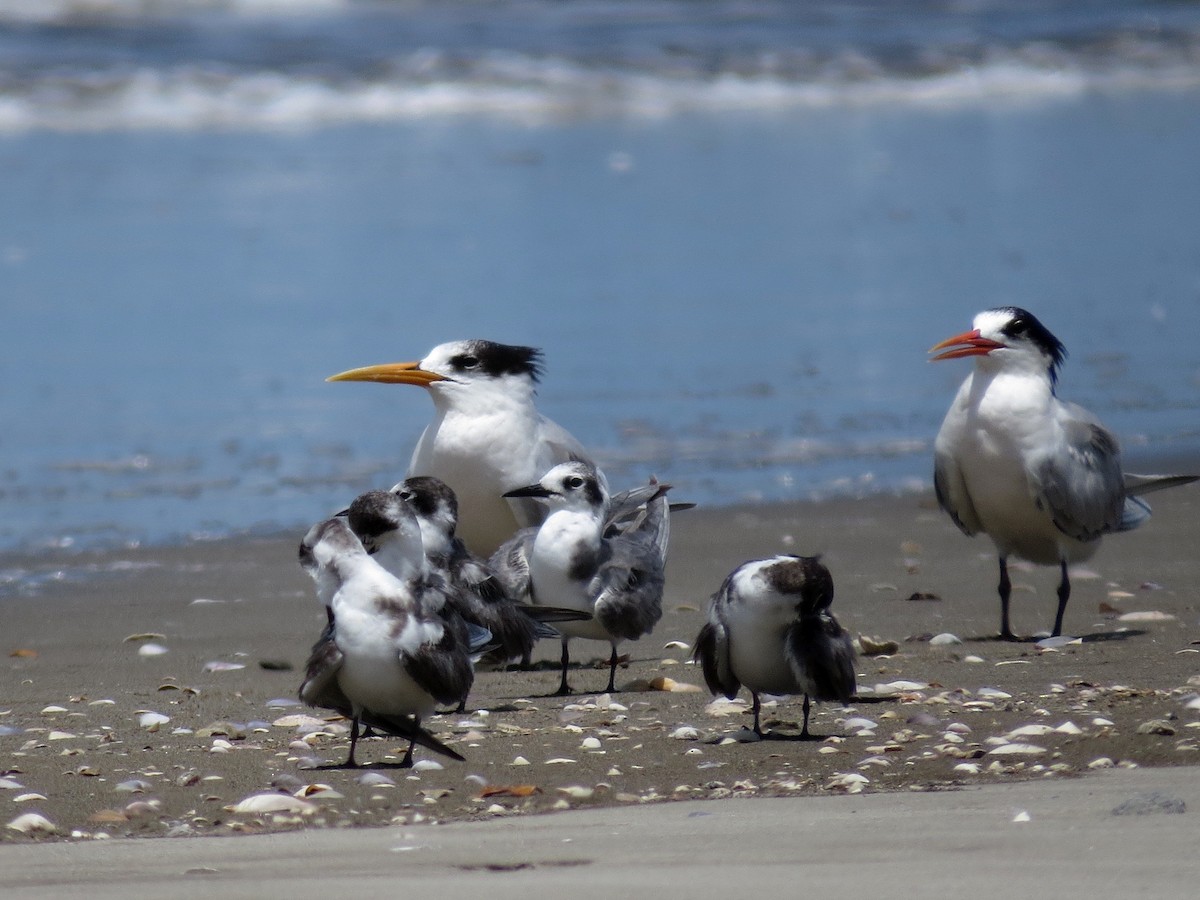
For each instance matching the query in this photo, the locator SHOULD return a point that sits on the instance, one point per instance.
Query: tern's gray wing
(320, 686)
(481, 599)
(711, 649)
(443, 670)
(1079, 482)
(821, 656)
(628, 585)
(510, 563)
(952, 493)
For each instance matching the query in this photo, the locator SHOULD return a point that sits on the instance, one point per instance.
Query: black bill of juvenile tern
(770, 628)
(487, 436)
(1040, 476)
(570, 561)
(386, 657)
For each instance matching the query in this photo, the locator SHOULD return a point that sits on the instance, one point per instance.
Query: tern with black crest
(487, 436)
(1040, 476)
(770, 629)
(570, 561)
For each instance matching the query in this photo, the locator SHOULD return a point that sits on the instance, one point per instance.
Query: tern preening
(387, 657)
(769, 628)
(487, 436)
(570, 561)
(1041, 477)
(472, 586)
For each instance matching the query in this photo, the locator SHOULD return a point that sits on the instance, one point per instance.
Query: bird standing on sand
(472, 586)
(769, 628)
(570, 561)
(386, 658)
(487, 436)
(1041, 477)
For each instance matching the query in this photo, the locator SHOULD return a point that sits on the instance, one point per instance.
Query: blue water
(734, 229)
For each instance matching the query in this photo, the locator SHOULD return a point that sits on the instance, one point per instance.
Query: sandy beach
(236, 619)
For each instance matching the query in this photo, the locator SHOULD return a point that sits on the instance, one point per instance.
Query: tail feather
(408, 729)
(1137, 485)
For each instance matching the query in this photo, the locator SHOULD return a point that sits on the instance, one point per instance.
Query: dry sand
(74, 749)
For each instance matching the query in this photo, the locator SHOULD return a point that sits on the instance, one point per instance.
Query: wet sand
(930, 716)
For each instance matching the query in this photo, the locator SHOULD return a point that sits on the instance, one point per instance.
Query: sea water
(734, 228)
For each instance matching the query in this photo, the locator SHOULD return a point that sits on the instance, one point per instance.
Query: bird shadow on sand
(1096, 637)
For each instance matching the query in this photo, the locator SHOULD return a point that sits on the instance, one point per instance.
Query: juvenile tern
(472, 586)
(385, 659)
(571, 562)
(487, 436)
(1041, 477)
(769, 628)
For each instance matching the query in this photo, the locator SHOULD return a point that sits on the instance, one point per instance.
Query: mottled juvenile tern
(386, 658)
(1041, 477)
(769, 628)
(571, 562)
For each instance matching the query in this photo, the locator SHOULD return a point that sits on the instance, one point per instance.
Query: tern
(769, 628)
(385, 659)
(1041, 477)
(570, 561)
(487, 436)
(473, 587)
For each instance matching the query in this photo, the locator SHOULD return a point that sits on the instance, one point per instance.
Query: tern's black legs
(563, 688)
(1006, 632)
(1064, 594)
(612, 671)
(757, 708)
(350, 763)
(804, 735)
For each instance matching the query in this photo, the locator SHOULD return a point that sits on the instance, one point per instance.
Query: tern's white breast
(757, 619)
(372, 673)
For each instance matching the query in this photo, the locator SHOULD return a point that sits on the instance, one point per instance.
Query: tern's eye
(574, 482)
(465, 361)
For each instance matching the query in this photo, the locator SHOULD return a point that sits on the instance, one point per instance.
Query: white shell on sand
(33, 823)
(685, 733)
(152, 720)
(850, 782)
(9, 784)
(427, 765)
(152, 650)
(1148, 615)
(299, 720)
(944, 639)
(1017, 750)
(991, 693)
(269, 803)
(220, 666)
(591, 743)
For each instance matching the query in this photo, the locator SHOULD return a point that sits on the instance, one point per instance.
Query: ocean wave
(535, 91)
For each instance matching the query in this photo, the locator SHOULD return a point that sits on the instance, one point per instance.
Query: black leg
(757, 707)
(563, 687)
(407, 762)
(350, 763)
(804, 730)
(1064, 594)
(462, 706)
(1006, 632)
(612, 671)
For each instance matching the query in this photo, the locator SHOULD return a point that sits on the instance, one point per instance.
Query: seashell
(990, 693)
(9, 784)
(1102, 762)
(1068, 728)
(108, 817)
(685, 733)
(102, 703)
(33, 823)
(282, 703)
(510, 790)
(1017, 750)
(1029, 731)
(1103, 723)
(519, 761)
(663, 683)
(723, 707)
(967, 768)
(577, 792)
(876, 646)
(152, 720)
(60, 736)
(271, 803)
(1156, 726)
(133, 786)
(944, 639)
(901, 686)
(850, 782)
(152, 650)
(427, 765)
(858, 723)
(51, 710)
(219, 666)
(972, 658)
(676, 645)
(204, 601)
(590, 743)
(1148, 615)
(1022, 816)
(559, 761)
(221, 729)
(25, 798)
(144, 636)
(1194, 703)
(375, 779)
(321, 791)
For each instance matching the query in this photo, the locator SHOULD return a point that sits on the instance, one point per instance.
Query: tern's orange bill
(391, 373)
(969, 343)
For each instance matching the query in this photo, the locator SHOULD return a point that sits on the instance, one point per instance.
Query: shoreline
(936, 716)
